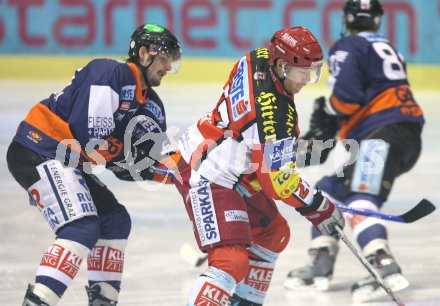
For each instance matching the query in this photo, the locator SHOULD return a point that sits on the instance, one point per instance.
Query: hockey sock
(366, 229)
(105, 265)
(254, 286)
(59, 265)
(213, 287)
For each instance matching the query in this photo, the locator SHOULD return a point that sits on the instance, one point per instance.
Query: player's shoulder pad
(353, 45)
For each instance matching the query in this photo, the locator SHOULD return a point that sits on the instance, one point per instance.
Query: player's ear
(279, 66)
(143, 54)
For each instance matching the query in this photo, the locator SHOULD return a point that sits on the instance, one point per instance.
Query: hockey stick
(192, 256)
(422, 209)
(162, 171)
(369, 267)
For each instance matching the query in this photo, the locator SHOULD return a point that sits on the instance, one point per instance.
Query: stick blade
(188, 254)
(422, 209)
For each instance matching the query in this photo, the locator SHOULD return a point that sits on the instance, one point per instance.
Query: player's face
(298, 77)
(293, 87)
(161, 65)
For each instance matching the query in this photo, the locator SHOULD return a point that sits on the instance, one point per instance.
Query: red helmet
(296, 47)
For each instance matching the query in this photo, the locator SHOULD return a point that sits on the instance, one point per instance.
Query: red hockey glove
(323, 214)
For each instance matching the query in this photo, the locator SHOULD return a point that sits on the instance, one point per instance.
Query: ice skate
(31, 299)
(368, 289)
(235, 300)
(317, 274)
(96, 298)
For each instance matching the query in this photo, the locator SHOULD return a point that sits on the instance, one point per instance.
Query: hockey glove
(144, 142)
(323, 127)
(323, 214)
(134, 168)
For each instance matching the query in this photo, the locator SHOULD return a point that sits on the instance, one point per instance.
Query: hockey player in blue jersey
(102, 117)
(371, 103)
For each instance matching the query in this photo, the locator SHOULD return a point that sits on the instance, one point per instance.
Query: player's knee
(116, 224)
(281, 236)
(232, 259)
(85, 231)
(271, 240)
(333, 186)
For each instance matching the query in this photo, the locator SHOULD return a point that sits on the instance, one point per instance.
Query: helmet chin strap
(343, 31)
(144, 70)
(282, 79)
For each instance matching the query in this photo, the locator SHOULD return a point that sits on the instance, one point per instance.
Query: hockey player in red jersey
(102, 117)
(238, 158)
(371, 103)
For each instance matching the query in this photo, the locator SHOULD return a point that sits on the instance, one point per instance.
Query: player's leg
(400, 148)
(270, 236)
(227, 265)
(106, 260)
(317, 273)
(66, 205)
(397, 146)
(221, 228)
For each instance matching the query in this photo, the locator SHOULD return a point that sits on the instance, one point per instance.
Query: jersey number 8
(392, 65)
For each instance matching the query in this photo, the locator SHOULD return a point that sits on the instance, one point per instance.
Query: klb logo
(211, 295)
(114, 261)
(104, 258)
(259, 277)
(57, 257)
(94, 260)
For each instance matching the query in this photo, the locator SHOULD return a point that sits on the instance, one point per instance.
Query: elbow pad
(303, 196)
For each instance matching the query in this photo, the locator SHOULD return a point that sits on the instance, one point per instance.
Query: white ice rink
(155, 274)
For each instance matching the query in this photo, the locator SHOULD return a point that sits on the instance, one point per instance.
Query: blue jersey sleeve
(346, 64)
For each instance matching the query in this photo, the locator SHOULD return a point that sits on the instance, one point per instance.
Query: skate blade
(396, 282)
(297, 284)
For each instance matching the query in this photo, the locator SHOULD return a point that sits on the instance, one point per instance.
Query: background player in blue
(371, 102)
(102, 117)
